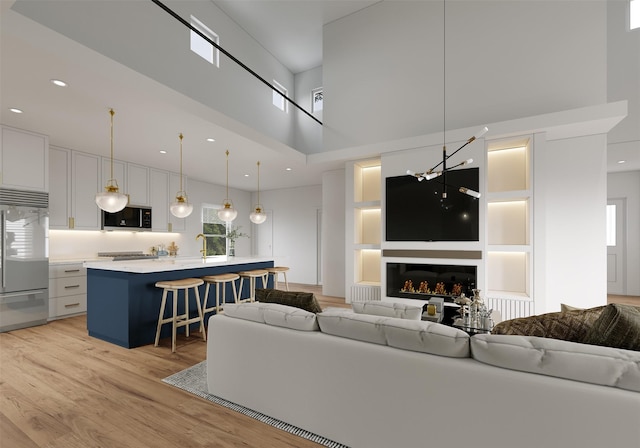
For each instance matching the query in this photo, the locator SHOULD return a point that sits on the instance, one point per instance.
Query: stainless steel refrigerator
(24, 259)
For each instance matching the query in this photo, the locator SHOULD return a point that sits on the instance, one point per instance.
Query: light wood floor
(60, 388)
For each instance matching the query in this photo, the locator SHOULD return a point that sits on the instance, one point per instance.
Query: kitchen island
(123, 302)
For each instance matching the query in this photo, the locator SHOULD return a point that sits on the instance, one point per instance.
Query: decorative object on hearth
(111, 200)
(181, 207)
(258, 216)
(433, 172)
(227, 213)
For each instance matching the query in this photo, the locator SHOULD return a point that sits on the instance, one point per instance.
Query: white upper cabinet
(159, 200)
(84, 186)
(59, 188)
(24, 160)
(138, 184)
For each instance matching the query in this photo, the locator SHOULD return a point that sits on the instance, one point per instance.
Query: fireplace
(422, 281)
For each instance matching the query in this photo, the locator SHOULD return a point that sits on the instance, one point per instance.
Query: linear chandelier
(432, 173)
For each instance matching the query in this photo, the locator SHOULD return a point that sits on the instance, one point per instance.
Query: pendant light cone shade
(111, 200)
(227, 213)
(258, 216)
(181, 208)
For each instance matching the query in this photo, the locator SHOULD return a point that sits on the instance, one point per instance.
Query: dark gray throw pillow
(303, 300)
(618, 326)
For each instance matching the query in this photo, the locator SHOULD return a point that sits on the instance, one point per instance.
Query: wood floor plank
(62, 388)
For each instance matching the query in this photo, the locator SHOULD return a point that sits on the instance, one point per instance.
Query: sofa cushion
(303, 300)
(427, 337)
(421, 336)
(618, 326)
(389, 309)
(569, 325)
(274, 314)
(571, 360)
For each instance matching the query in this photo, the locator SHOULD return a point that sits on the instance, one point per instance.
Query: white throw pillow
(388, 309)
(273, 314)
(564, 359)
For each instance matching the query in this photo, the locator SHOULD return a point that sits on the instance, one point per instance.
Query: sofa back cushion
(388, 309)
(274, 314)
(414, 335)
(303, 300)
(571, 360)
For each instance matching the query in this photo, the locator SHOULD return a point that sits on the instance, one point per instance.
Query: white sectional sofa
(370, 381)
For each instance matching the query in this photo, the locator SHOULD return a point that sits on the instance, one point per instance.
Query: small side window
(201, 46)
(316, 99)
(279, 95)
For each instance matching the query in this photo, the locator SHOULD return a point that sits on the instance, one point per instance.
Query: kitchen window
(214, 230)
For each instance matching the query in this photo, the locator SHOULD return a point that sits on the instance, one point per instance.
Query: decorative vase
(232, 249)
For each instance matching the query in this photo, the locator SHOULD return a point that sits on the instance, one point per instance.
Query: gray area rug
(194, 380)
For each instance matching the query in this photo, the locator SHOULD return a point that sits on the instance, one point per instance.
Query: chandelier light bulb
(470, 192)
(433, 175)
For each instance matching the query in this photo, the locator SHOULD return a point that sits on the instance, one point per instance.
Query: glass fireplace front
(422, 281)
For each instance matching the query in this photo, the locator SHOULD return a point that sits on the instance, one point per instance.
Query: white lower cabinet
(67, 290)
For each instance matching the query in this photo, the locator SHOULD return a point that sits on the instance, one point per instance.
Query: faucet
(203, 251)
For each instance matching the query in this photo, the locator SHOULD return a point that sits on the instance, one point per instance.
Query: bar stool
(275, 271)
(182, 320)
(252, 276)
(219, 279)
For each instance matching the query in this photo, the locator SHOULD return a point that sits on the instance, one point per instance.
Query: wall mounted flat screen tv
(415, 211)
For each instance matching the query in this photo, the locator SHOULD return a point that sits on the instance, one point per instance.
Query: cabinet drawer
(71, 305)
(66, 270)
(67, 286)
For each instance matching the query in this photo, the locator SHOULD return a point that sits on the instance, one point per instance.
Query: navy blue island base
(123, 307)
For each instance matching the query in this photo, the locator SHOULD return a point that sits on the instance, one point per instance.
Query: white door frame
(617, 255)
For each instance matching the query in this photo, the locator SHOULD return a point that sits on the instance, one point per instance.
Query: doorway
(616, 246)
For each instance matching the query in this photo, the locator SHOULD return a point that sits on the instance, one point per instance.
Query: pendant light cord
(258, 182)
(227, 174)
(180, 136)
(111, 111)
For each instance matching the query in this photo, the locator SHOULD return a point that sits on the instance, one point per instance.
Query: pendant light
(432, 173)
(227, 213)
(111, 200)
(258, 216)
(181, 208)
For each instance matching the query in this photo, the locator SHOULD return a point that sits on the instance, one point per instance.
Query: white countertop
(164, 264)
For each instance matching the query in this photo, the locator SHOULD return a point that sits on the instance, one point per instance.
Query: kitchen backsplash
(78, 244)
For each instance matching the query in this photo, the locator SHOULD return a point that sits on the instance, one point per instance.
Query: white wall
(383, 72)
(141, 36)
(308, 138)
(626, 185)
(570, 184)
(333, 233)
(295, 230)
(623, 76)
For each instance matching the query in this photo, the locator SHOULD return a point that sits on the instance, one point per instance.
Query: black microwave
(129, 218)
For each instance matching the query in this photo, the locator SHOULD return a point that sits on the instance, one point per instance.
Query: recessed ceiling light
(288, 169)
(59, 83)
(15, 110)
(211, 139)
(622, 161)
(246, 175)
(162, 151)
